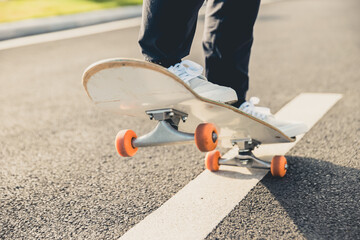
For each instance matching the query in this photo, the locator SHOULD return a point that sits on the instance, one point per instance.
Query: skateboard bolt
(184, 119)
(286, 166)
(214, 137)
(171, 114)
(151, 117)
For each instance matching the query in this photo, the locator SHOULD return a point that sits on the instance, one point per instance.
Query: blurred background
(14, 10)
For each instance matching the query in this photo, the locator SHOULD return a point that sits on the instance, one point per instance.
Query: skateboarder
(166, 35)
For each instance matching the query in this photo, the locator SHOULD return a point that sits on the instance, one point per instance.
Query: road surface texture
(60, 177)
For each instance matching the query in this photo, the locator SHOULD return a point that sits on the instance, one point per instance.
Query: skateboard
(145, 90)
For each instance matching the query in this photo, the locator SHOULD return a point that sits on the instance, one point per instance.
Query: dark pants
(168, 29)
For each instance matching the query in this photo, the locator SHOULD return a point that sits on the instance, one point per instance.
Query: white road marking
(72, 33)
(198, 208)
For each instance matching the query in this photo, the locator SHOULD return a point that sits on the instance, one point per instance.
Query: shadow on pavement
(321, 198)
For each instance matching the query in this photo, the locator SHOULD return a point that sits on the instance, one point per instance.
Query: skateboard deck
(132, 87)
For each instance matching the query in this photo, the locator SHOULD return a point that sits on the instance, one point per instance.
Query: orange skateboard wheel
(206, 137)
(123, 143)
(278, 166)
(212, 160)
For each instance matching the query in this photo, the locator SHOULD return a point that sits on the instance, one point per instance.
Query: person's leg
(167, 29)
(228, 38)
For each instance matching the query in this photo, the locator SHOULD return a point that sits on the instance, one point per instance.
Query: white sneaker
(191, 73)
(291, 129)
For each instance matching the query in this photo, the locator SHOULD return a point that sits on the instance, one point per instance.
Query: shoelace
(186, 70)
(258, 112)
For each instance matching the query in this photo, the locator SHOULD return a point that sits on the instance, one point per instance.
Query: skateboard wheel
(278, 166)
(206, 137)
(123, 143)
(212, 161)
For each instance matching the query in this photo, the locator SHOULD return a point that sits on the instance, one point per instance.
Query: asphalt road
(60, 177)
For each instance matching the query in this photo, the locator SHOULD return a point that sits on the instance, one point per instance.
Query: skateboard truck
(246, 158)
(245, 155)
(166, 132)
(169, 115)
